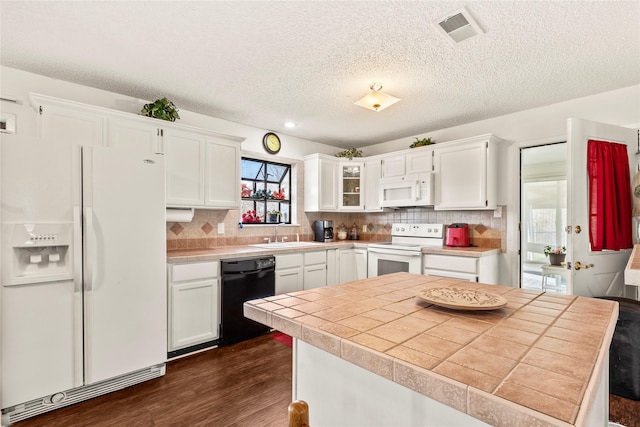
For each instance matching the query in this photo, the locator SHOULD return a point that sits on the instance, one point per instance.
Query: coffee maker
(323, 231)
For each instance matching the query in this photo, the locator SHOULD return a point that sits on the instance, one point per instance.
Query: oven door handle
(395, 252)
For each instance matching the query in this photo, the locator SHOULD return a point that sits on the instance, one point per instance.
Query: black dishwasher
(243, 280)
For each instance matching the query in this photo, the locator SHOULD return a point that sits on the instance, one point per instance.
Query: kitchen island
(370, 352)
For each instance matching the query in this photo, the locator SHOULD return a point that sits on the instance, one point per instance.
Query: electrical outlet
(497, 212)
(364, 229)
(221, 228)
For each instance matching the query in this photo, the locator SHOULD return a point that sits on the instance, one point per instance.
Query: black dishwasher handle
(258, 270)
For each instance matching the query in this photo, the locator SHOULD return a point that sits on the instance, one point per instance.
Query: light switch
(221, 228)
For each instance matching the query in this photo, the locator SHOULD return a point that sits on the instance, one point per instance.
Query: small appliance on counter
(353, 234)
(323, 230)
(342, 232)
(458, 235)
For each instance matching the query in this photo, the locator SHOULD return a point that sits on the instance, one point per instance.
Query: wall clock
(271, 143)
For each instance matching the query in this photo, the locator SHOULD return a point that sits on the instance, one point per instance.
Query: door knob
(578, 265)
(578, 229)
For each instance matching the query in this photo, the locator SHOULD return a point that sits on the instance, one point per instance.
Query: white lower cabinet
(194, 304)
(353, 265)
(361, 263)
(483, 269)
(315, 269)
(347, 263)
(289, 273)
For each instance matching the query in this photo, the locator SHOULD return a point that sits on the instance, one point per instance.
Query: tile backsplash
(202, 232)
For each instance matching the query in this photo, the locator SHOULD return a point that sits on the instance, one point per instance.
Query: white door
(606, 276)
(125, 276)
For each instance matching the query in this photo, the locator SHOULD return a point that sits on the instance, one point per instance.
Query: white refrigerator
(83, 273)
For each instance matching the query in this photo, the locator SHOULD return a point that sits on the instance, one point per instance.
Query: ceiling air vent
(458, 26)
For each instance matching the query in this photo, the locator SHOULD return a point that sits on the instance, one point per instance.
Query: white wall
(17, 84)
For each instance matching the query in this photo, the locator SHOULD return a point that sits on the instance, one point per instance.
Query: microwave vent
(458, 26)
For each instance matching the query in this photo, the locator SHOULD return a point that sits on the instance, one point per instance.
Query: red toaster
(458, 235)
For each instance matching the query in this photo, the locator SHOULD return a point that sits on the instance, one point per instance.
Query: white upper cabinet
(203, 171)
(394, 165)
(69, 121)
(466, 174)
(320, 183)
(134, 134)
(222, 173)
(350, 186)
(411, 161)
(185, 168)
(419, 160)
(371, 191)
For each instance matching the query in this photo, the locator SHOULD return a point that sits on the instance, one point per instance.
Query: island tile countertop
(226, 252)
(536, 361)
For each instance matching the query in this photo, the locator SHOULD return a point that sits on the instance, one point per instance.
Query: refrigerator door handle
(90, 250)
(77, 249)
(78, 350)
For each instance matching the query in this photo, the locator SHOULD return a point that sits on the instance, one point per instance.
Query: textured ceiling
(263, 63)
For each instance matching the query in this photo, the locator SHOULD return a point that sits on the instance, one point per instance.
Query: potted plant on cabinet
(556, 255)
(422, 142)
(162, 109)
(350, 153)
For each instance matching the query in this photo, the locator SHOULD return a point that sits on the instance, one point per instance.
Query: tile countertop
(226, 252)
(540, 357)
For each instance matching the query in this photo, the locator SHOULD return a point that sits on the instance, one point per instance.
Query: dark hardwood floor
(245, 384)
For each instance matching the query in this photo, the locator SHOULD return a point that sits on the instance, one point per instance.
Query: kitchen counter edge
(228, 252)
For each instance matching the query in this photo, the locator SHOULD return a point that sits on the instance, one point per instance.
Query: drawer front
(451, 263)
(319, 257)
(194, 271)
(288, 261)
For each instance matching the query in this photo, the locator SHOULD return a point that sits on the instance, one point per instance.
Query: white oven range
(404, 252)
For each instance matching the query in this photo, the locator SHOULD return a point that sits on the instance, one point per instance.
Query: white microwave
(407, 190)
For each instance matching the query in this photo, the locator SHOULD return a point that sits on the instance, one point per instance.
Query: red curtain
(609, 196)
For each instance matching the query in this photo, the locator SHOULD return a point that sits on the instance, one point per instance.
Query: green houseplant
(422, 142)
(350, 153)
(162, 109)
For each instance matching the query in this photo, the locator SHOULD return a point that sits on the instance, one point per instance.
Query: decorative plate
(463, 299)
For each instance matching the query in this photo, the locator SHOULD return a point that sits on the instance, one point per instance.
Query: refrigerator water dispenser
(40, 252)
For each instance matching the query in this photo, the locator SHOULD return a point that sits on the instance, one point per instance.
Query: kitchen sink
(285, 245)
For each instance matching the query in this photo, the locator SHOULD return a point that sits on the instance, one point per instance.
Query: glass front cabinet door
(351, 186)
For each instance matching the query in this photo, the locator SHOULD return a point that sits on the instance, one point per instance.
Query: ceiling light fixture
(376, 100)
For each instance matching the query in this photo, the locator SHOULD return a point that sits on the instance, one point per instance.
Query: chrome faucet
(275, 239)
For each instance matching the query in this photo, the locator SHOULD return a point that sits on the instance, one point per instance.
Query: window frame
(261, 206)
